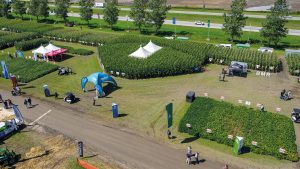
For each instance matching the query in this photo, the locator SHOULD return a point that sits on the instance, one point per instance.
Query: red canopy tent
(55, 53)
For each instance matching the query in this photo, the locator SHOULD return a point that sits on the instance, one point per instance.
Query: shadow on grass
(190, 139)
(122, 115)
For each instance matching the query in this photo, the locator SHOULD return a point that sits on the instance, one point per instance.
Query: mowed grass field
(144, 100)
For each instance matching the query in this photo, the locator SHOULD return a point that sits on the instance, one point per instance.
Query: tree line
(152, 13)
(273, 29)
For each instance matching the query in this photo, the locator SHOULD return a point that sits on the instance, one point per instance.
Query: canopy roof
(141, 53)
(56, 52)
(41, 50)
(151, 47)
(52, 47)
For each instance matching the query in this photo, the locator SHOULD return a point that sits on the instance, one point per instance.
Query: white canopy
(41, 50)
(52, 47)
(151, 47)
(141, 53)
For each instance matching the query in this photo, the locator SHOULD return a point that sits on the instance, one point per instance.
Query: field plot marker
(40, 117)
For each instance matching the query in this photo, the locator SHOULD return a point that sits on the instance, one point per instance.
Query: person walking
(1, 100)
(188, 158)
(262, 108)
(56, 95)
(197, 157)
(29, 102)
(26, 103)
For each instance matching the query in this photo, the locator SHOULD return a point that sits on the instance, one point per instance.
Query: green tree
(111, 12)
(4, 8)
(33, 8)
(158, 13)
(273, 29)
(61, 8)
(138, 13)
(86, 10)
(235, 20)
(19, 7)
(43, 8)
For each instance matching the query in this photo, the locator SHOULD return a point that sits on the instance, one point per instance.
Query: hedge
(31, 44)
(271, 131)
(293, 62)
(27, 70)
(114, 56)
(10, 39)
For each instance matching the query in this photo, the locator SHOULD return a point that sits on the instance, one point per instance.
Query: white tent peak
(41, 50)
(52, 47)
(141, 53)
(151, 47)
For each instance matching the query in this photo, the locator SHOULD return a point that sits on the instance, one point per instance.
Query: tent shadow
(190, 139)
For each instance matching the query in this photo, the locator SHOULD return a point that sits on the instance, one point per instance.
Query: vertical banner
(4, 70)
(169, 108)
(174, 21)
(80, 148)
(18, 114)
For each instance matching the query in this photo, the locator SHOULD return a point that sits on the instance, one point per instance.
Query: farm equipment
(8, 157)
(285, 95)
(295, 115)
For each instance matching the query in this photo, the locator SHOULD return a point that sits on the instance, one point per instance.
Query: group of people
(190, 154)
(7, 103)
(64, 71)
(27, 103)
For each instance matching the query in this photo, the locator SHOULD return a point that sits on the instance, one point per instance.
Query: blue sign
(115, 110)
(4, 70)
(18, 114)
(174, 20)
(20, 54)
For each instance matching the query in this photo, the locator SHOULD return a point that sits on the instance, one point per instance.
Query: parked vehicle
(295, 115)
(199, 23)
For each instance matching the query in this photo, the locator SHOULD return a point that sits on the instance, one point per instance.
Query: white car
(199, 23)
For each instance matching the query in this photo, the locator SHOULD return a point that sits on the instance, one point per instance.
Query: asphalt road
(126, 147)
(204, 13)
(191, 24)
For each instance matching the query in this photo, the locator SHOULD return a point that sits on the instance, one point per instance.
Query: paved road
(192, 24)
(129, 149)
(204, 13)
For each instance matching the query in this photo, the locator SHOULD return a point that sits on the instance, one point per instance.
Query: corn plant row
(224, 121)
(31, 44)
(27, 70)
(293, 62)
(10, 39)
(25, 26)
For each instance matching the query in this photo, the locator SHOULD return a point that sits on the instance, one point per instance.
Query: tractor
(7, 157)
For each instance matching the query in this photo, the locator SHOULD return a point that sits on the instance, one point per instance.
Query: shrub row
(294, 64)
(82, 52)
(10, 39)
(27, 70)
(31, 44)
(270, 131)
(14, 25)
(115, 57)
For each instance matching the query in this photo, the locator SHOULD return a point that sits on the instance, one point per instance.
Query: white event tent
(141, 53)
(144, 52)
(151, 47)
(52, 47)
(41, 50)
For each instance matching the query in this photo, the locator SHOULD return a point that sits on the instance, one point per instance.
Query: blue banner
(174, 20)
(4, 70)
(18, 114)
